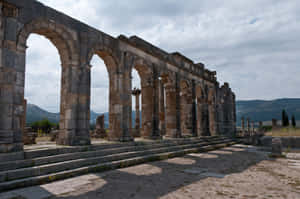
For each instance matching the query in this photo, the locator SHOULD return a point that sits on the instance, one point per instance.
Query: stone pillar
(147, 107)
(202, 118)
(178, 109)
(125, 102)
(137, 93)
(202, 113)
(99, 131)
(162, 124)
(248, 126)
(12, 74)
(24, 115)
(274, 123)
(171, 110)
(212, 113)
(194, 112)
(186, 111)
(75, 106)
(243, 125)
(260, 125)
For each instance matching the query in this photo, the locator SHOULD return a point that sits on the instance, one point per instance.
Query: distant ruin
(179, 97)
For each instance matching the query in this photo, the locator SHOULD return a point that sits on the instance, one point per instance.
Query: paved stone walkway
(233, 172)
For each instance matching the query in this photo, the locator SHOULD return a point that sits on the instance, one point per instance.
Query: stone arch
(72, 76)
(111, 63)
(62, 37)
(143, 68)
(107, 55)
(145, 71)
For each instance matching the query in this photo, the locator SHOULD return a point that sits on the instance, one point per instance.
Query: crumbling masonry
(179, 97)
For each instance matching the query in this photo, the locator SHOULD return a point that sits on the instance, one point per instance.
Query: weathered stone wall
(226, 111)
(169, 106)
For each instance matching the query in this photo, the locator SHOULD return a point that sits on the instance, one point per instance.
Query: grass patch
(284, 132)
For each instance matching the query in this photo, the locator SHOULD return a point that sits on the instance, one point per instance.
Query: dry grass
(43, 139)
(284, 132)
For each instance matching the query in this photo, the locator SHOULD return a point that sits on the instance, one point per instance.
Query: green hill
(256, 110)
(263, 110)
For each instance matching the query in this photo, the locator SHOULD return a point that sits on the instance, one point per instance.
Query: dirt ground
(233, 172)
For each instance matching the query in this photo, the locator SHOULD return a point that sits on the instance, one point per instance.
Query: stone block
(276, 147)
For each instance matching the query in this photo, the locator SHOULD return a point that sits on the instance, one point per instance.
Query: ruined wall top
(35, 9)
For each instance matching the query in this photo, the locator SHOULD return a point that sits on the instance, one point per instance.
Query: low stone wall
(287, 142)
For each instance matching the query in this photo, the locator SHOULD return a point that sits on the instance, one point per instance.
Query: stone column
(194, 112)
(75, 106)
(243, 125)
(12, 74)
(125, 102)
(171, 109)
(162, 124)
(248, 126)
(212, 113)
(252, 128)
(202, 118)
(260, 125)
(186, 112)
(202, 113)
(137, 93)
(24, 115)
(274, 123)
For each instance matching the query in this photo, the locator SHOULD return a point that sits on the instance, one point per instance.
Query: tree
(44, 125)
(287, 121)
(283, 118)
(293, 121)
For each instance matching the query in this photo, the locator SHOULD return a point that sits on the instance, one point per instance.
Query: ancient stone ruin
(179, 97)
(99, 131)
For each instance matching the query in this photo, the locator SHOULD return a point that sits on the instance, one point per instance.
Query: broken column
(248, 126)
(274, 123)
(99, 131)
(137, 92)
(243, 125)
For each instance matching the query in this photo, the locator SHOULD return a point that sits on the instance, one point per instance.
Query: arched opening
(64, 43)
(42, 90)
(99, 99)
(149, 129)
(136, 103)
(72, 125)
(107, 81)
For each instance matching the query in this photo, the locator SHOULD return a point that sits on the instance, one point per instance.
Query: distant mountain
(256, 110)
(263, 110)
(35, 113)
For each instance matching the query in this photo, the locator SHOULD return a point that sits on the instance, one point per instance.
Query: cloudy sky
(254, 45)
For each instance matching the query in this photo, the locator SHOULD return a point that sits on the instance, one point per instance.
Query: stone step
(13, 165)
(73, 164)
(30, 154)
(42, 179)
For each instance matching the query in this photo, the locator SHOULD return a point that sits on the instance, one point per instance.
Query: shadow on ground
(156, 179)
